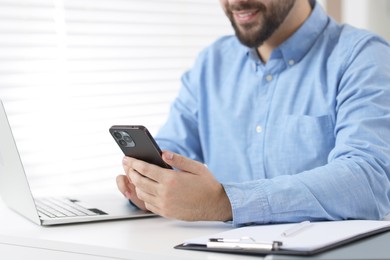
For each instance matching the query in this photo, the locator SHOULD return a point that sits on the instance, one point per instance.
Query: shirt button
(269, 77)
(291, 62)
(259, 129)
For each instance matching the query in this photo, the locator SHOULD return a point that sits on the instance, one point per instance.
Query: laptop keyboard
(62, 207)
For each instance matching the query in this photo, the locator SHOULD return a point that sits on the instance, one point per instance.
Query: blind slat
(71, 69)
(134, 6)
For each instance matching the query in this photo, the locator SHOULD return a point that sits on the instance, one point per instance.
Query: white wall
(69, 69)
(373, 15)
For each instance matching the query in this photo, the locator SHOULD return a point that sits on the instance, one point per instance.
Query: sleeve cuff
(249, 203)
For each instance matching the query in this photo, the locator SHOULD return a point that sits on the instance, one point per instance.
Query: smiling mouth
(245, 16)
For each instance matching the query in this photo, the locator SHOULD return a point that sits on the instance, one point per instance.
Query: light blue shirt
(305, 136)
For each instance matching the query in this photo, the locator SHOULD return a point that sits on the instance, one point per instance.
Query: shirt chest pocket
(298, 143)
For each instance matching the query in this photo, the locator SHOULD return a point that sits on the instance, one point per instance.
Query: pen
(245, 243)
(296, 229)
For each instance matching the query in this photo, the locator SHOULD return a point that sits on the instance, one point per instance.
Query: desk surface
(140, 239)
(148, 238)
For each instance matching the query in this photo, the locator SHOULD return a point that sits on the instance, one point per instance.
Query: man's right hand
(128, 190)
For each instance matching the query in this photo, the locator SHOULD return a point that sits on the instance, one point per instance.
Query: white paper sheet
(313, 236)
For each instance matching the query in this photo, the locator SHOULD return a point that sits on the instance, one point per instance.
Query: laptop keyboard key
(54, 207)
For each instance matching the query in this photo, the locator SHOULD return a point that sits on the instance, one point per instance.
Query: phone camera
(124, 139)
(122, 142)
(117, 135)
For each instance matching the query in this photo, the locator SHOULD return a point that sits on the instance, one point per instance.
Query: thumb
(182, 163)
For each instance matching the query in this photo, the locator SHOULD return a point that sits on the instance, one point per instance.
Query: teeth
(245, 15)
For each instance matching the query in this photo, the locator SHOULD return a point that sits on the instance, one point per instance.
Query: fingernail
(124, 159)
(169, 155)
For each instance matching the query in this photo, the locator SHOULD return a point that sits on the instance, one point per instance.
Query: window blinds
(69, 69)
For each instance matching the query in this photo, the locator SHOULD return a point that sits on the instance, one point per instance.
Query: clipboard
(302, 239)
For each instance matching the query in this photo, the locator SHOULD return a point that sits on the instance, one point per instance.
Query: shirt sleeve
(180, 132)
(354, 184)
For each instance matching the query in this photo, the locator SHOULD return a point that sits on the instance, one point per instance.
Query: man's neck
(297, 16)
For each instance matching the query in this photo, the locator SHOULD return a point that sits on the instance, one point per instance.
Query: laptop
(16, 194)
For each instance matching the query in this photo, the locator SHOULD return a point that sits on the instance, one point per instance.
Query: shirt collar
(295, 47)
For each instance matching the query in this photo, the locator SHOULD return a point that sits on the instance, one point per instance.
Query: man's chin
(248, 40)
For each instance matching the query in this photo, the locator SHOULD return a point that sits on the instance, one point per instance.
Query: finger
(150, 202)
(125, 165)
(151, 171)
(143, 183)
(123, 185)
(183, 163)
(153, 208)
(128, 190)
(145, 196)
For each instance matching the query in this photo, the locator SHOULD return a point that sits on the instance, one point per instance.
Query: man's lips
(245, 16)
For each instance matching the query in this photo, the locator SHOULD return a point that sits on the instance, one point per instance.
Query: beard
(254, 34)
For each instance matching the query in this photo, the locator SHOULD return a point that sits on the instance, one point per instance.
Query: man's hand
(190, 193)
(128, 190)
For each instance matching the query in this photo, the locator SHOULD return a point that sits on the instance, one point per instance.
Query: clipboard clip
(244, 243)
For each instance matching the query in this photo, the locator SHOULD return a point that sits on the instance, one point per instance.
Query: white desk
(151, 238)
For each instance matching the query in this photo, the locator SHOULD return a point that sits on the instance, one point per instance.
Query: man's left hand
(190, 193)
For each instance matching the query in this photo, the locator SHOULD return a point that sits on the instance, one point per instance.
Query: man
(291, 117)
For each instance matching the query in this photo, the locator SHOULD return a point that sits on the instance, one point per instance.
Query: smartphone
(136, 141)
